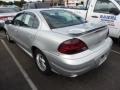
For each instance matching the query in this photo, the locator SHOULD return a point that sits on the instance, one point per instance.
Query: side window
(18, 20)
(104, 6)
(30, 21)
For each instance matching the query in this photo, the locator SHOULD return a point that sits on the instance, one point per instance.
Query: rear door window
(30, 21)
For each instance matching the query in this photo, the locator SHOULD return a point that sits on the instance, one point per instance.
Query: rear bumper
(79, 65)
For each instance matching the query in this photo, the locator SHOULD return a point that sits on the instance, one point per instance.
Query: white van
(107, 11)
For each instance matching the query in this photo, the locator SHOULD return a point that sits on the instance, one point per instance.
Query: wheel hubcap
(40, 62)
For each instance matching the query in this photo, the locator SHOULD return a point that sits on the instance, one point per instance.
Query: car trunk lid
(89, 33)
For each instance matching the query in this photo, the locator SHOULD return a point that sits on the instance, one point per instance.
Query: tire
(42, 62)
(119, 41)
(8, 37)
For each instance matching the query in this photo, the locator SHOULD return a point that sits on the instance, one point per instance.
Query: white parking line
(116, 52)
(25, 75)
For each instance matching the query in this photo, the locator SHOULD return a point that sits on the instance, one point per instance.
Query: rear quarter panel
(49, 41)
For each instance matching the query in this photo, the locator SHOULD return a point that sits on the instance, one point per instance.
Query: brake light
(6, 17)
(72, 46)
(3, 18)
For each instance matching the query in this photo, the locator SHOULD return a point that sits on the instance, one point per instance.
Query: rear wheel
(42, 62)
(119, 41)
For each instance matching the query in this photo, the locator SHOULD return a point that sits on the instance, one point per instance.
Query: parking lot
(18, 72)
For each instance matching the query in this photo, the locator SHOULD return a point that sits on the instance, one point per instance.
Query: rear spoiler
(93, 30)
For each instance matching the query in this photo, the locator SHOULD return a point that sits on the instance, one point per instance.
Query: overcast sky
(19, 0)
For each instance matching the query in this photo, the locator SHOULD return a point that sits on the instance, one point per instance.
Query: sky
(19, 0)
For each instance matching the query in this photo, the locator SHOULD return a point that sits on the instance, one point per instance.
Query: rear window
(61, 18)
(7, 10)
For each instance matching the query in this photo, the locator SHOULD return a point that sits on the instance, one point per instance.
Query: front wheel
(42, 62)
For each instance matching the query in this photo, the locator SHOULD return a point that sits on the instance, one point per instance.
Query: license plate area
(101, 59)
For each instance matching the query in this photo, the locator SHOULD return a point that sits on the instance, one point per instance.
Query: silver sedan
(60, 41)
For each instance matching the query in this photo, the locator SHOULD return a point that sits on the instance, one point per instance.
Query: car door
(15, 26)
(103, 11)
(28, 30)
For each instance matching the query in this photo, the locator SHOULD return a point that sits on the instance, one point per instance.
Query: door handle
(95, 16)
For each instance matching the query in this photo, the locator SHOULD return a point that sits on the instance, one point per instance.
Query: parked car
(17, 8)
(6, 13)
(60, 41)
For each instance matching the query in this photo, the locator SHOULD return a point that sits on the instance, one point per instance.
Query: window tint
(104, 6)
(18, 20)
(30, 21)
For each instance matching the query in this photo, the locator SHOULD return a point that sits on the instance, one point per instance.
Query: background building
(54, 2)
(73, 2)
(65, 2)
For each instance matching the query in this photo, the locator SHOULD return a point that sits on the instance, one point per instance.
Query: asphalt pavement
(19, 72)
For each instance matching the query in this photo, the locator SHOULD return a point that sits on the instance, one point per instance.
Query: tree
(67, 2)
(22, 2)
(3, 3)
(61, 2)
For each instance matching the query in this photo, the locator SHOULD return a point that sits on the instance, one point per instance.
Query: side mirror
(114, 11)
(8, 22)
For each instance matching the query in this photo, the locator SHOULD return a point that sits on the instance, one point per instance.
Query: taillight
(3, 18)
(6, 18)
(72, 46)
